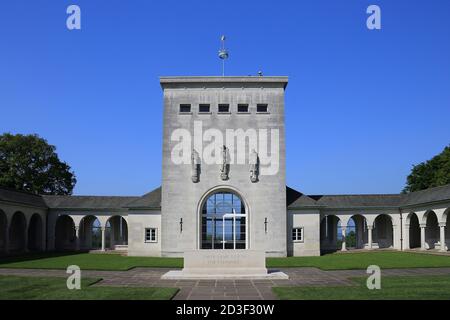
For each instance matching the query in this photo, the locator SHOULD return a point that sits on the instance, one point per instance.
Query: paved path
(224, 289)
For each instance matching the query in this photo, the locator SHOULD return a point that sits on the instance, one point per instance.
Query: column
(422, 236)
(25, 239)
(344, 244)
(442, 236)
(369, 236)
(77, 238)
(394, 236)
(7, 240)
(103, 238)
(406, 237)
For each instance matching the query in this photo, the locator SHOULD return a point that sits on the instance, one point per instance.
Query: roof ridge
(20, 191)
(429, 189)
(356, 194)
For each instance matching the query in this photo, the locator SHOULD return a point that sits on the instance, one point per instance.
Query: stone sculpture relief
(254, 166)
(195, 162)
(224, 169)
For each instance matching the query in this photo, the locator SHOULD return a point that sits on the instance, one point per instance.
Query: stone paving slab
(224, 289)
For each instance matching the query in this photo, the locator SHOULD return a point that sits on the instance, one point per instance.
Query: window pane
(242, 107)
(213, 227)
(224, 107)
(185, 108)
(261, 108)
(204, 108)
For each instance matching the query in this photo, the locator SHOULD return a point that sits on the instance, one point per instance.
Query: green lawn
(88, 261)
(392, 288)
(32, 288)
(360, 260)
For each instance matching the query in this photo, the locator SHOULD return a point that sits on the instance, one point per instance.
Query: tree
(431, 173)
(29, 163)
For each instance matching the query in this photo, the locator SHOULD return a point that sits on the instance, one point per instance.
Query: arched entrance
(17, 232)
(329, 233)
(35, 233)
(65, 238)
(356, 233)
(118, 232)
(90, 233)
(431, 230)
(3, 229)
(414, 230)
(383, 235)
(224, 221)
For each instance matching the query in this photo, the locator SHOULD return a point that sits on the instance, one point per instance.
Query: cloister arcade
(427, 229)
(22, 230)
(371, 231)
(424, 230)
(91, 232)
(27, 229)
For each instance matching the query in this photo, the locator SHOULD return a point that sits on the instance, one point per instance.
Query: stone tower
(223, 175)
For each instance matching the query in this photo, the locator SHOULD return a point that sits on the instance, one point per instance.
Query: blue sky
(361, 106)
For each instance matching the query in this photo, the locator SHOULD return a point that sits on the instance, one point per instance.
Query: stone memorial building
(224, 187)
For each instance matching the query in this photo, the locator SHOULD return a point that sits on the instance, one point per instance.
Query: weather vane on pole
(223, 54)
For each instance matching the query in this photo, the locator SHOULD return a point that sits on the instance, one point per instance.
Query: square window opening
(204, 108)
(224, 108)
(242, 108)
(262, 108)
(151, 235)
(185, 108)
(297, 234)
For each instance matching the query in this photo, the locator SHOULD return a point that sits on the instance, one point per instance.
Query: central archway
(223, 221)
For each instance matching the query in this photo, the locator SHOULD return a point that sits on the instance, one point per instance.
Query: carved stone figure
(254, 166)
(195, 162)
(224, 168)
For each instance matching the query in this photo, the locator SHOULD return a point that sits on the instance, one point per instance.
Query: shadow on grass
(23, 257)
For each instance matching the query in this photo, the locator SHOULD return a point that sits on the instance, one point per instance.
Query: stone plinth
(224, 264)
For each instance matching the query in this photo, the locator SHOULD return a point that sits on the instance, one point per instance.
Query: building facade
(224, 187)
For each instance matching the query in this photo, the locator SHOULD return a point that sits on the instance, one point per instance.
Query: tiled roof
(427, 195)
(150, 200)
(21, 197)
(87, 202)
(298, 200)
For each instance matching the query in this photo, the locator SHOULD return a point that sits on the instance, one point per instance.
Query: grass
(87, 261)
(392, 288)
(336, 261)
(32, 288)
(361, 260)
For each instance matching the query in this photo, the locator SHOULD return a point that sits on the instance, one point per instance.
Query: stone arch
(430, 219)
(211, 208)
(329, 234)
(35, 233)
(118, 231)
(18, 232)
(90, 233)
(3, 231)
(383, 231)
(65, 237)
(360, 237)
(412, 220)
